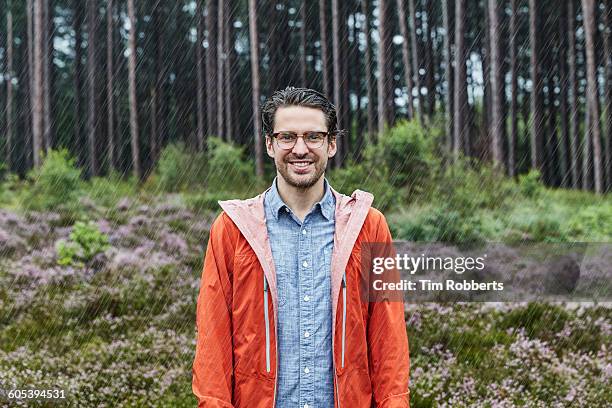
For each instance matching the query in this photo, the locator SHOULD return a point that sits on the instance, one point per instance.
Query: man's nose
(300, 147)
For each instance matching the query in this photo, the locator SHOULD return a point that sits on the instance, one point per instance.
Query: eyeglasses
(286, 140)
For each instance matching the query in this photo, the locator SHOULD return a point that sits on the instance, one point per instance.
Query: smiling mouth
(301, 164)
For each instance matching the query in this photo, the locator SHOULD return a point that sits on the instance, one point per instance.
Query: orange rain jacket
(236, 358)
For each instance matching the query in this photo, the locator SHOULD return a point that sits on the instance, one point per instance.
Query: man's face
(301, 166)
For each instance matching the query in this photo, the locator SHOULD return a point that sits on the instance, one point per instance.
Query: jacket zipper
(267, 323)
(343, 333)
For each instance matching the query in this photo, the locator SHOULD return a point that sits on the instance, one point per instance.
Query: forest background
(122, 123)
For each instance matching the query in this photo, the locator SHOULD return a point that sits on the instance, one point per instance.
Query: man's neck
(300, 200)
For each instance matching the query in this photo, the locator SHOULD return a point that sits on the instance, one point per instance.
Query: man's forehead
(299, 118)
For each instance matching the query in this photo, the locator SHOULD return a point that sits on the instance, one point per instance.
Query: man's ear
(269, 146)
(332, 147)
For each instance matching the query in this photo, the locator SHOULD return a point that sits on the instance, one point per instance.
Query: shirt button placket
(306, 310)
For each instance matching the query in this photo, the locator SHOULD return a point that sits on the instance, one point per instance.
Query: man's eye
(315, 136)
(286, 136)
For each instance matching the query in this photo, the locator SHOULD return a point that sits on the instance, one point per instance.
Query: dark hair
(298, 97)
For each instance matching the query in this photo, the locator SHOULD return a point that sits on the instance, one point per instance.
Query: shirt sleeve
(213, 374)
(388, 343)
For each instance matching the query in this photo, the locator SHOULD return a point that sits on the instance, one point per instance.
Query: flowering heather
(120, 330)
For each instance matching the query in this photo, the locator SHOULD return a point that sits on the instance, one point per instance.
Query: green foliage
(86, 241)
(468, 187)
(358, 176)
(437, 224)
(530, 184)
(229, 169)
(406, 154)
(179, 169)
(205, 202)
(55, 185)
(223, 167)
(107, 191)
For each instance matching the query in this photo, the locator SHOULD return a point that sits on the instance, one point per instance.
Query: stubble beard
(302, 183)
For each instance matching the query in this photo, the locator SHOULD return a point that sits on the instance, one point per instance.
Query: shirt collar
(326, 204)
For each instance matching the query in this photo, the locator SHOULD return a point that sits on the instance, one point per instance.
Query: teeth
(300, 164)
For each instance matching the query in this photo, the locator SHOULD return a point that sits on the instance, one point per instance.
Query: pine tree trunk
(497, 119)
(211, 67)
(324, 47)
(254, 45)
(536, 93)
(336, 72)
(37, 81)
(573, 95)
(514, 29)
(47, 34)
(132, 92)
(110, 99)
(92, 79)
(220, 76)
(44, 28)
(10, 116)
(564, 143)
(607, 20)
(228, 63)
(78, 141)
(406, 56)
(365, 9)
(448, 72)
(303, 18)
(415, 60)
(590, 27)
(29, 113)
(429, 59)
(200, 73)
(384, 62)
(460, 133)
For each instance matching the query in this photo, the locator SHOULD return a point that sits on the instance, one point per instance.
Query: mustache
(294, 157)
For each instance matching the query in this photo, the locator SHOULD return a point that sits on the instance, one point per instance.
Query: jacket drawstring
(343, 315)
(267, 323)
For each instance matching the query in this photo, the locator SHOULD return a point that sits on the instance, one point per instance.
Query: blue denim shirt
(302, 257)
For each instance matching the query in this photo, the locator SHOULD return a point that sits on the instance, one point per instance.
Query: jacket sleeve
(388, 343)
(213, 374)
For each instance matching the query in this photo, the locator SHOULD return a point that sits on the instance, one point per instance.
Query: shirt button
(307, 334)
(304, 264)
(306, 298)
(306, 370)
(287, 209)
(303, 232)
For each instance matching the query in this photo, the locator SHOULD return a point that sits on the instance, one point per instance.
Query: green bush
(467, 187)
(357, 176)
(223, 167)
(229, 169)
(437, 224)
(178, 169)
(541, 222)
(86, 241)
(530, 184)
(56, 184)
(108, 190)
(406, 154)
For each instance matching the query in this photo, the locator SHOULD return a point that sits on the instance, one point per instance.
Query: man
(280, 319)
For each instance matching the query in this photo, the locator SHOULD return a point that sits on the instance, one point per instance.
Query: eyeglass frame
(298, 135)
